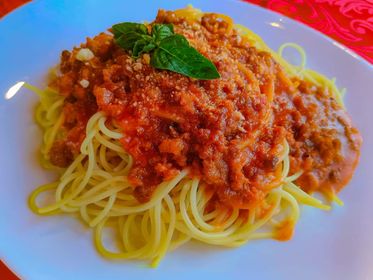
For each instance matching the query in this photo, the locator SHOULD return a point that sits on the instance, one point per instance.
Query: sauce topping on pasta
(230, 132)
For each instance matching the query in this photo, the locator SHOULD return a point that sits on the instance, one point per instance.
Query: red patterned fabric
(349, 22)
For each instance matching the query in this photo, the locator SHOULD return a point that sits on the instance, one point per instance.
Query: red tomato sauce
(229, 132)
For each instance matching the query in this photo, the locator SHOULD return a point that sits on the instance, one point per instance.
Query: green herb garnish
(169, 51)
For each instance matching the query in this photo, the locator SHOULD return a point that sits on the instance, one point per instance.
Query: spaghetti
(98, 178)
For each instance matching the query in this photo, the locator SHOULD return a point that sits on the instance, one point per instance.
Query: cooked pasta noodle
(95, 185)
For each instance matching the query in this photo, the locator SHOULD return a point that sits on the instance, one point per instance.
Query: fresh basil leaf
(142, 46)
(162, 31)
(126, 34)
(127, 41)
(168, 50)
(175, 54)
(149, 47)
(126, 27)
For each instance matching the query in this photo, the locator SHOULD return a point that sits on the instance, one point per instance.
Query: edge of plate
(21, 9)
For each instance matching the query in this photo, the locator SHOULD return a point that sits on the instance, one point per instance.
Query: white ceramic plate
(333, 245)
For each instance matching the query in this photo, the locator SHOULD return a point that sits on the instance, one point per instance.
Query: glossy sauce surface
(229, 132)
(323, 142)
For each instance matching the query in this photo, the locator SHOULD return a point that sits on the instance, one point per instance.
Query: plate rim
(347, 51)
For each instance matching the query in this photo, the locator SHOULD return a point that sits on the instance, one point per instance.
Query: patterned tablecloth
(349, 22)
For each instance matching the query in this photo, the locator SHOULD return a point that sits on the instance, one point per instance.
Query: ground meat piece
(60, 154)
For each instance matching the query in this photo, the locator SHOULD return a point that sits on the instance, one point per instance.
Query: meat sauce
(323, 142)
(229, 132)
